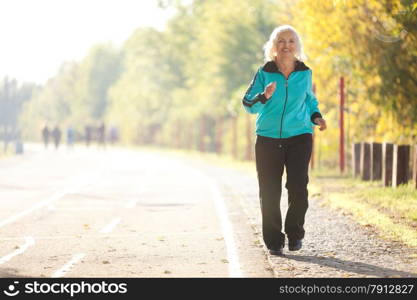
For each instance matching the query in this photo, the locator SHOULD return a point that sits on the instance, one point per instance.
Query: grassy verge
(392, 212)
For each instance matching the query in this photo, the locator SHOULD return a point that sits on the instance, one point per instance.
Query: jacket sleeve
(312, 102)
(254, 97)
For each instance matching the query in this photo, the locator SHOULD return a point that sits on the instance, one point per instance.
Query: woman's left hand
(321, 122)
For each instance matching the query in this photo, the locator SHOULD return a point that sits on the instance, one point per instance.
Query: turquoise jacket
(291, 109)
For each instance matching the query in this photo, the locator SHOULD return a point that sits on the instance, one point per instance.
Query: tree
(12, 97)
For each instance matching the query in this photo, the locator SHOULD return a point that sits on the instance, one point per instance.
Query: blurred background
(172, 74)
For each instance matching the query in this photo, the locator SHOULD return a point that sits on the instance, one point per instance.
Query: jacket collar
(271, 67)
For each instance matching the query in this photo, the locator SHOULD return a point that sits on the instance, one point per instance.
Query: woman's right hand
(270, 89)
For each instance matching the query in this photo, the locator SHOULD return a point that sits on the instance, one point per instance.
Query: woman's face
(286, 45)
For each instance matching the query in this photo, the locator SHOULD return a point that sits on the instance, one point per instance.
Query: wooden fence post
(400, 164)
(219, 135)
(376, 161)
(342, 126)
(387, 157)
(312, 150)
(178, 135)
(312, 161)
(234, 137)
(415, 167)
(356, 159)
(410, 162)
(191, 137)
(365, 164)
(248, 154)
(202, 134)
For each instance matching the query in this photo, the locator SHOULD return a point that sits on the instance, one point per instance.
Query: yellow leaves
(340, 38)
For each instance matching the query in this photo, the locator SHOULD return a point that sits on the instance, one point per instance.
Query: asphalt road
(90, 212)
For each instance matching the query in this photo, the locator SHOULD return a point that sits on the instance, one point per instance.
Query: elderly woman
(281, 94)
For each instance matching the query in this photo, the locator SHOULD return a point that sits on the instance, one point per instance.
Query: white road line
(109, 227)
(29, 242)
(81, 208)
(243, 204)
(132, 203)
(33, 208)
(67, 267)
(227, 229)
(49, 201)
(226, 226)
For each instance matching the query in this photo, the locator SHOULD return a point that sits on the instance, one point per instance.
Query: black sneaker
(277, 251)
(294, 245)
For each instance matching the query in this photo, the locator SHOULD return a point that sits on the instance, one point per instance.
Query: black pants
(271, 156)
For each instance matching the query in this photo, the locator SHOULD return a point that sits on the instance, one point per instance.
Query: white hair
(270, 51)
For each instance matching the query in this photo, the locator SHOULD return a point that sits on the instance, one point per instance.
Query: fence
(392, 164)
(233, 136)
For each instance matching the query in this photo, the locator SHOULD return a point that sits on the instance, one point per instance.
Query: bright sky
(36, 36)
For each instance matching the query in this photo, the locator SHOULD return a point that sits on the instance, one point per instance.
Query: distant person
(70, 136)
(45, 136)
(88, 134)
(19, 143)
(114, 135)
(56, 135)
(281, 94)
(101, 135)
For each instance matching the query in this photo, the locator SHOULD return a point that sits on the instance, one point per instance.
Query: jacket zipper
(285, 104)
(286, 97)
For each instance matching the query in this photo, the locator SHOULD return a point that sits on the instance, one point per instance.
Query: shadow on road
(351, 266)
